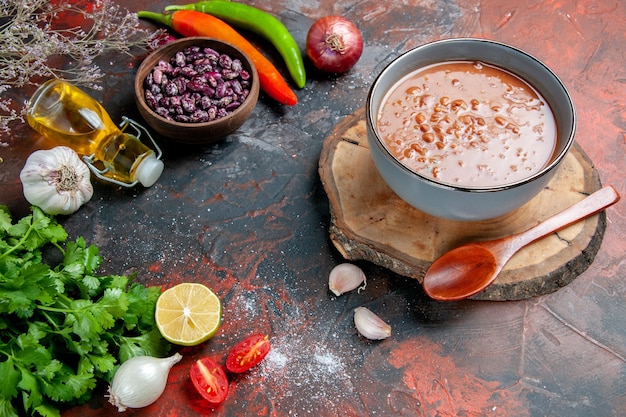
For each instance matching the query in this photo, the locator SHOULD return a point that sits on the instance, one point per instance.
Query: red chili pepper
(192, 23)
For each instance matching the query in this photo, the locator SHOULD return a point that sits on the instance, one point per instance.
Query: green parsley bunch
(63, 328)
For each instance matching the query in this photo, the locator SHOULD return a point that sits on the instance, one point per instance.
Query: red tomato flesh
(210, 380)
(248, 353)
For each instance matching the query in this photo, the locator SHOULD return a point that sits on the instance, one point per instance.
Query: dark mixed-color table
(248, 216)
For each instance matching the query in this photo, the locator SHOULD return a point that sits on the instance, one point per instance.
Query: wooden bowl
(195, 132)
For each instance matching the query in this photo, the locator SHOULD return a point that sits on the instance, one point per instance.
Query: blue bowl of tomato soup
(468, 129)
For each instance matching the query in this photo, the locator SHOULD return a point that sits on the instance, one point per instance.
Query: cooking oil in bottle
(68, 116)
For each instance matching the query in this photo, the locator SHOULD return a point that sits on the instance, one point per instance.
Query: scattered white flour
(308, 372)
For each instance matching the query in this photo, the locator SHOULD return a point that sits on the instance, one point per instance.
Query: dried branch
(38, 43)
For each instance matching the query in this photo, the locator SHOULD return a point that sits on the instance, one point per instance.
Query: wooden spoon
(471, 268)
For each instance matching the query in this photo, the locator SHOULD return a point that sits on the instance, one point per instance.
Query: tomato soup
(468, 124)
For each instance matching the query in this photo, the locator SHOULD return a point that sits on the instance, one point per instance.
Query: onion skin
(334, 44)
(140, 381)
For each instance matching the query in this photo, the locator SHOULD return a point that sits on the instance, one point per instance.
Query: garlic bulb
(370, 325)
(56, 180)
(346, 277)
(140, 381)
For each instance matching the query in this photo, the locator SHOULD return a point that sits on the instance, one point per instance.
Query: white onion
(140, 381)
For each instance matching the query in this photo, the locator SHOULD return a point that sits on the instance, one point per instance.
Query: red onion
(334, 44)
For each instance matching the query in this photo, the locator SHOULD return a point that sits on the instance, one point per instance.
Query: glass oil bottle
(68, 116)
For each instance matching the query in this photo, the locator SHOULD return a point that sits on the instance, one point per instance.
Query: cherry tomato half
(210, 380)
(248, 353)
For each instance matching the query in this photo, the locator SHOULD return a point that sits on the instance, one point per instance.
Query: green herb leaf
(148, 344)
(9, 380)
(7, 409)
(63, 328)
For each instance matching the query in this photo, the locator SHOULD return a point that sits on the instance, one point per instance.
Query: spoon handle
(590, 205)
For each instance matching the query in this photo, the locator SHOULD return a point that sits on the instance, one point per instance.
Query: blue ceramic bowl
(457, 202)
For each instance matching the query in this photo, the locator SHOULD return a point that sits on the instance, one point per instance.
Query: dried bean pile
(197, 85)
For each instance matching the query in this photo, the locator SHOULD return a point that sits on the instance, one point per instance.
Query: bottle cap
(149, 170)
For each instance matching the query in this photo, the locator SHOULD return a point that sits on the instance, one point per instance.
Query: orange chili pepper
(192, 23)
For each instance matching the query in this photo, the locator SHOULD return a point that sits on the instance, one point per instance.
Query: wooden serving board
(370, 222)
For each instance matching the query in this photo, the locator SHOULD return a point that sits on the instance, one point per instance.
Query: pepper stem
(180, 7)
(165, 19)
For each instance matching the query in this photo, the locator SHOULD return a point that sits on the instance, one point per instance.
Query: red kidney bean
(224, 101)
(211, 54)
(213, 78)
(175, 101)
(188, 72)
(164, 102)
(155, 89)
(188, 104)
(212, 112)
(171, 89)
(180, 59)
(225, 61)
(232, 106)
(220, 91)
(163, 112)
(196, 85)
(236, 86)
(236, 66)
(229, 74)
(205, 102)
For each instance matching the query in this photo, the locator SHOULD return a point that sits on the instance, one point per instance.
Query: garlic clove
(370, 325)
(346, 277)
